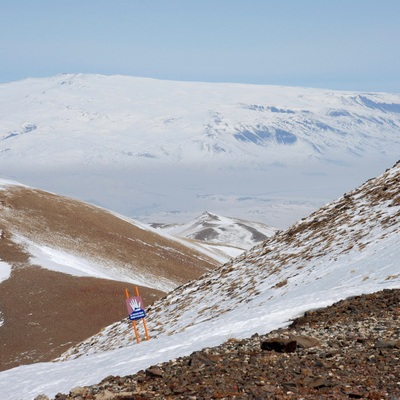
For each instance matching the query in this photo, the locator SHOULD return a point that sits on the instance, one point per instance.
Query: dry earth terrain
(45, 312)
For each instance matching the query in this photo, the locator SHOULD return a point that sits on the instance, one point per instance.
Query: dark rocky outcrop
(279, 345)
(347, 351)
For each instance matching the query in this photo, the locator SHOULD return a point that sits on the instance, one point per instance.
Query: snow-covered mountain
(220, 230)
(64, 267)
(165, 151)
(348, 247)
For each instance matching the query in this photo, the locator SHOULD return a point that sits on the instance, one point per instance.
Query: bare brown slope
(45, 312)
(94, 233)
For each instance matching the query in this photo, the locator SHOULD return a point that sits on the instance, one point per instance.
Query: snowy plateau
(165, 151)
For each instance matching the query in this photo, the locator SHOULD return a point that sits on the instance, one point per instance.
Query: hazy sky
(338, 44)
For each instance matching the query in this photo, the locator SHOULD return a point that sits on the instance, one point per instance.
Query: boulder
(279, 345)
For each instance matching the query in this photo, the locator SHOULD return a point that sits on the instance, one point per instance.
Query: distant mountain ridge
(149, 148)
(212, 228)
(111, 114)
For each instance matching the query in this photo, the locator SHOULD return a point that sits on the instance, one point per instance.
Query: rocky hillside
(66, 265)
(349, 350)
(346, 248)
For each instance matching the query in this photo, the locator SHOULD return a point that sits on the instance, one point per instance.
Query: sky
(334, 44)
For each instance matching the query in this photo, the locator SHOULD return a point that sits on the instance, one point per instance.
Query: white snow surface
(67, 263)
(219, 237)
(5, 270)
(59, 260)
(165, 151)
(348, 247)
(213, 228)
(4, 183)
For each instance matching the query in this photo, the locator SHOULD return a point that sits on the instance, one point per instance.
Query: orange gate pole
(144, 319)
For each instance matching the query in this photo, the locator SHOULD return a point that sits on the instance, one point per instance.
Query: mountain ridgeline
(221, 121)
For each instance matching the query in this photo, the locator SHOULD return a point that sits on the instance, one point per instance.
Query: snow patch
(67, 263)
(5, 271)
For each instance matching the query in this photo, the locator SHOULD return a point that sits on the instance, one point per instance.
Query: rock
(126, 396)
(279, 345)
(78, 391)
(107, 379)
(154, 372)
(318, 383)
(106, 395)
(305, 342)
(60, 396)
(41, 397)
(355, 395)
(289, 385)
(198, 359)
(387, 344)
(319, 363)
(179, 390)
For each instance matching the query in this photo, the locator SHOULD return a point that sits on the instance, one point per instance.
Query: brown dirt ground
(46, 312)
(94, 233)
